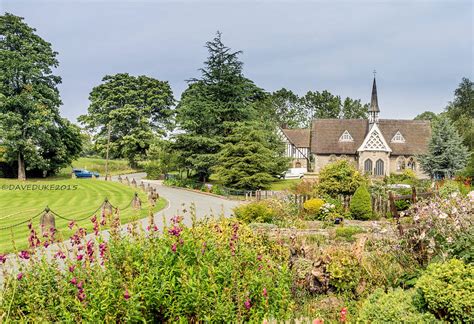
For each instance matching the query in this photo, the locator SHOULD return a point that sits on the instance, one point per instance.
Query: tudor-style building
(376, 146)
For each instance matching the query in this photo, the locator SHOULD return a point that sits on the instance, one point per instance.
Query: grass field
(98, 165)
(21, 204)
(284, 184)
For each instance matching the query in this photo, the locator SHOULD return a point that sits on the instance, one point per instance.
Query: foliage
(461, 111)
(427, 115)
(394, 306)
(344, 271)
(251, 158)
(448, 188)
(254, 212)
(408, 176)
(98, 165)
(134, 109)
(161, 159)
(31, 129)
(339, 178)
(312, 206)
(285, 109)
(212, 106)
(217, 272)
(348, 232)
(361, 204)
(446, 153)
(447, 290)
(435, 224)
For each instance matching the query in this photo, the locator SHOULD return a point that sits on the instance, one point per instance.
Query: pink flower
(175, 231)
(81, 295)
(247, 304)
(80, 257)
(71, 268)
(46, 244)
(94, 219)
(318, 321)
(173, 247)
(80, 285)
(24, 255)
(264, 292)
(60, 254)
(71, 224)
(3, 258)
(343, 315)
(126, 294)
(74, 281)
(19, 276)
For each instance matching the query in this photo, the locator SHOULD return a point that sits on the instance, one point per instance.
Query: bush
(344, 271)
(447, 290)
(312, 206)
(339, 178)
(254, 212)
(449, 188)
(219, 271)
(153, 170)
(347, 232)
(395, 306)
(361, 204)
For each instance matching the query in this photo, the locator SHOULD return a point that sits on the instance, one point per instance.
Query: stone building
(376, 146)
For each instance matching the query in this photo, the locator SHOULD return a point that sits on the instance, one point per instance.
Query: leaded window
(379, 168)
(411, 163)
(368, 166)
(401, 164)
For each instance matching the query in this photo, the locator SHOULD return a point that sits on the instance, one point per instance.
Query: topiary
(447, 290)
(312, 206)
(395, 306)
(361, 204)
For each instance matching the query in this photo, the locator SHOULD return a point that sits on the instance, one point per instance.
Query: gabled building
(376, 146)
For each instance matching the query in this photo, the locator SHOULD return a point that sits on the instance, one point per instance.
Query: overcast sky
(420, 49)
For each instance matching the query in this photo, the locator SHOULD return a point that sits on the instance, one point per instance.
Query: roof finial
(375, 72)
(374, 104)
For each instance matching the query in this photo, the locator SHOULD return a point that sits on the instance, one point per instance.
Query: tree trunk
(21, 167)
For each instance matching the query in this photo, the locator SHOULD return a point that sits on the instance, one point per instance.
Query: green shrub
(395, 306)
(255, 212)
(447, 290)
(449, 188)
(462, 247)
(361, 204)
(344, 271)
(153, 170)
(347, 232)
(312, 206)
(339, 178)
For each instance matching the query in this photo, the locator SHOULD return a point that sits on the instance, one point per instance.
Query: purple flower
(175, 231)
(80, 285)
(71, 224)
(73, 281)
(247, 304)
(80, 257)
(19, 276)
(81, 295)
(3, 258)
(264, 292)
(60, 254)
(173, 247)
(24, 255)
(71, 268)
(126, 294)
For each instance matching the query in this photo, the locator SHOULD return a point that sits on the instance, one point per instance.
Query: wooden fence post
(47, 221)
(413, 194)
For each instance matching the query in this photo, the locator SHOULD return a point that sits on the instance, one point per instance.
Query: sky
(420, 49)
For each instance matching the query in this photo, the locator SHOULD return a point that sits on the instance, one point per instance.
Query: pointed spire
(374, 104)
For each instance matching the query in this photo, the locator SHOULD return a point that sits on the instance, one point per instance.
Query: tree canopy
(34, 135)
(446, 152)
(135, 108)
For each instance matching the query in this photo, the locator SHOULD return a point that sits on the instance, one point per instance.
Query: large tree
(252, 157)
(212, 106)
(285, 109)
(446, 152)
(132, 110)
(427, 115)
(32, 132)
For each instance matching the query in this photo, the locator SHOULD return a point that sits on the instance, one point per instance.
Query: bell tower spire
(374, 105)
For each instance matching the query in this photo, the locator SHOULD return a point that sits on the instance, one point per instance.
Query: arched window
(379, 169)
(298, 165)
(411, 164)
(368, 166)
(401, 163)
(332, 158)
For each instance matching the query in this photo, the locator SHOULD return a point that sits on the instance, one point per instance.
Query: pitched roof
(325, 135)
(298, 137)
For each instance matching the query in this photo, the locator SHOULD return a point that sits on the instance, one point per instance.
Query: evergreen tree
(212, 106)
(252, 157)
(32, 132)
(361, 204)
(446, 152)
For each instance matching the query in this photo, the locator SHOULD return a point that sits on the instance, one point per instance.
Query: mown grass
(98, 165)
(286, 184)
(21, 204)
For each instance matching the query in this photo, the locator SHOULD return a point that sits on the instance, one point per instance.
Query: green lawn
(98, 165)
(20, 205)
(284, 184)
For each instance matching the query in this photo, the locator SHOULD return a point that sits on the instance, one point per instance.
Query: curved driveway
(181, 199)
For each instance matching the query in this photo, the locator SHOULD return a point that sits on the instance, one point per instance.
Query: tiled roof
(299, 137)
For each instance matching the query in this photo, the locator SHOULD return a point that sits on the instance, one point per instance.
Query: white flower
(443, 215)
(422, 235)
(449, 240)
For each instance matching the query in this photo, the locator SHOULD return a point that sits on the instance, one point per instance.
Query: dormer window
(398, 138)
(346, 137)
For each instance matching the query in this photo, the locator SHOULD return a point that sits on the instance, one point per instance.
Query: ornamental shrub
(395, 306)
(447, 290)
(344, 271)
(339, 178)
(312, 206)
(361, 204)
(255, 212)
(449, 188)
